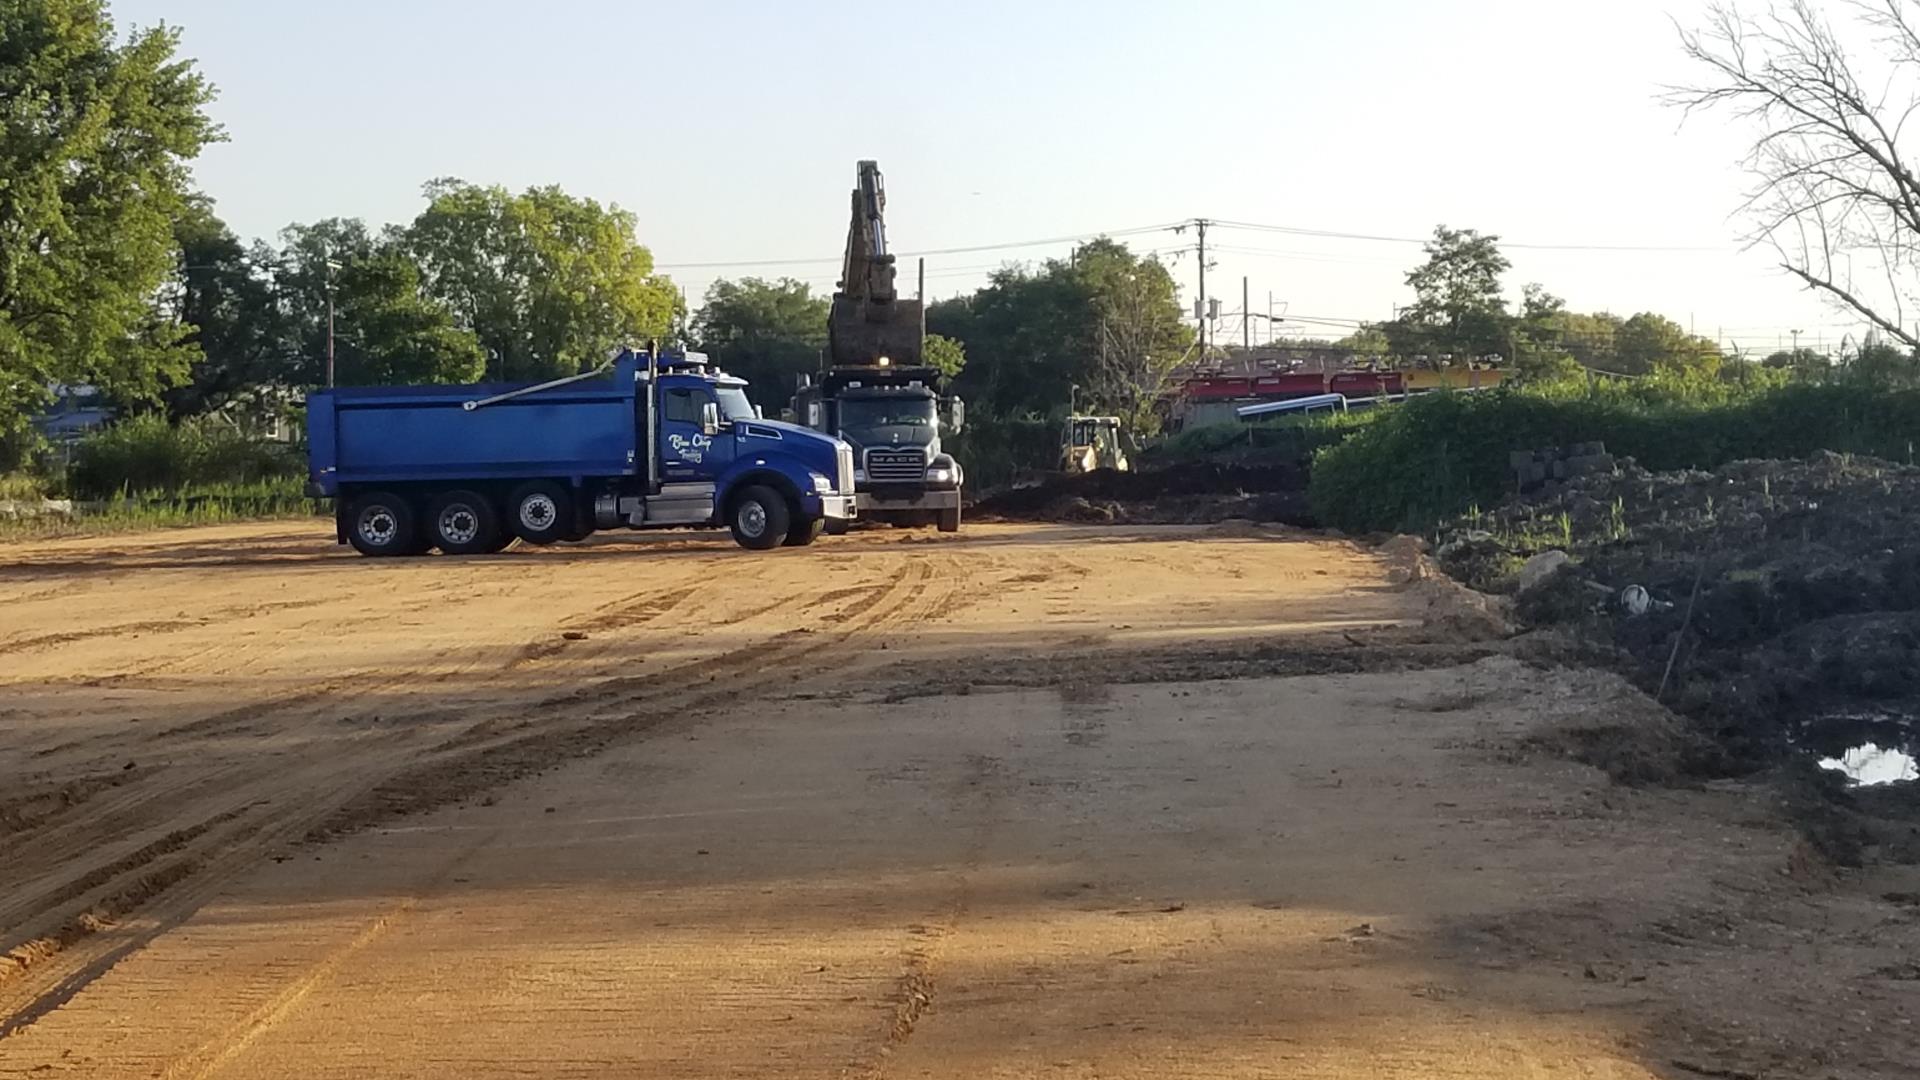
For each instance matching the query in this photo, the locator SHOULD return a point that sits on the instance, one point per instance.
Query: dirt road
(1031, 801)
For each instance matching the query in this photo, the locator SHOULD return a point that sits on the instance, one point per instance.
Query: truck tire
(949, 520)
(802, 533)
(541, 512)
(463, 523)
(381, 524)
(839, 527)
(759, 518)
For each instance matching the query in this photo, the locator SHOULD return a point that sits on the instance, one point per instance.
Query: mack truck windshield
(645, 442)
(874, 391)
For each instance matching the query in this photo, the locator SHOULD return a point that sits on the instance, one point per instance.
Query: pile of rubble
(1776, 602)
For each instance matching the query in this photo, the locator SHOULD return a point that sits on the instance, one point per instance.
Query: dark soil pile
(1802, 577)
(1186, 493)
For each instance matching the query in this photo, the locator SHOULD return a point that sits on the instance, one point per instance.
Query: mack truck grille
(844, 482)
(896, 467)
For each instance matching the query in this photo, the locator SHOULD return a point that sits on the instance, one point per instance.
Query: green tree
(1588, 338)
(386, 329)
(1885, 364)
(95, 139)
(1803, 362)
(944, 355)
(548, 283)
(223, 296)
(1457, 311)
(1031, 335)
(767, 332)
(1648, 342)
(1366, 343)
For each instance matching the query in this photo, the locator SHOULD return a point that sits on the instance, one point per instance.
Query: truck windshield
(872, 415)
(733, 404)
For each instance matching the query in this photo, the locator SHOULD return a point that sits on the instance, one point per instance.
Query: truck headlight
(859, 476)
(940, 474)
(821, 484)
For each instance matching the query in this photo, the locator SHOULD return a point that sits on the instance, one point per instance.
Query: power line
(1077, 238)
(1294, 230)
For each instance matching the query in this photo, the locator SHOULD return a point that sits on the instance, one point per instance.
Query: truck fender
(760, 471)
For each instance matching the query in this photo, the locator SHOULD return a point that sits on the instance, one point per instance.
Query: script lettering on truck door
(687, 452)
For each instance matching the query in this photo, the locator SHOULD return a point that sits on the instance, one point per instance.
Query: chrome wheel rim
(459, 524)
(753, 519)
(538, 512)
(378, 526)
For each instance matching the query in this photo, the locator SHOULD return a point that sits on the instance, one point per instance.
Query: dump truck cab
(893, 418)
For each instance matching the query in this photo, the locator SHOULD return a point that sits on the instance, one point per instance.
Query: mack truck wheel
(541, 512)
(803, 533)
(381, 524)
(463, 523)
(949, 520)
(759, 518)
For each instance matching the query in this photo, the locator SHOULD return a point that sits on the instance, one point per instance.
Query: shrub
(996, 450)
(1437, 455)
(1293, 438)
(146, 454)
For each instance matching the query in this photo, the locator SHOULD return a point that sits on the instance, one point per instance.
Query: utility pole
(1246, 316)
(1271, 336)
(1200, 224)
(920, 290)
(331, 267)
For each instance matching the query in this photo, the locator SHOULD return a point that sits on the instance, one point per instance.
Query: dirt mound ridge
(1191, 492)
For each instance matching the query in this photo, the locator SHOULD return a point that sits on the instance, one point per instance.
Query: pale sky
(731, 129)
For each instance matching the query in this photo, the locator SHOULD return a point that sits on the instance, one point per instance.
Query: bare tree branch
(1835, 184)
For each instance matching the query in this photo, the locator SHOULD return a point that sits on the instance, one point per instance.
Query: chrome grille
(844, 482)
(896, 467)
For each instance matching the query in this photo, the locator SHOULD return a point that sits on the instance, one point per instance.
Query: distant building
(75, 411)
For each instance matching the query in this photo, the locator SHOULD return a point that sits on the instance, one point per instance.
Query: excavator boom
(869, 323)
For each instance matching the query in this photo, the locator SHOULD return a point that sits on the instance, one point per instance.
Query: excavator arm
(869, 322)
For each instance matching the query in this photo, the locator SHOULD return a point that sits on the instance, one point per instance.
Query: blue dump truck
(649, 441)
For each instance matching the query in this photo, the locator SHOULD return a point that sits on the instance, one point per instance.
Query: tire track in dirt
(85, 942)
(62, 951)
(39, 642)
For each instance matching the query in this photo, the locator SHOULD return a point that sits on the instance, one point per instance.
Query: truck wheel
(759, 518)
(803, 533)
(381, 524)
(463, 523)
(949, 520)
(541, 512)
(839, 526)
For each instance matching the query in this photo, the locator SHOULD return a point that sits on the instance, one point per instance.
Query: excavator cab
(1093, 442)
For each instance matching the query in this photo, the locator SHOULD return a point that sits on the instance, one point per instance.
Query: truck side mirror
(956, 415)
(813, 416)
(710, 419)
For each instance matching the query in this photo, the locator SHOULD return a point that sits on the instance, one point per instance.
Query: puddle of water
(1870, 763)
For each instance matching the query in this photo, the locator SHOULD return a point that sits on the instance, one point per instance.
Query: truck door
(689, 452)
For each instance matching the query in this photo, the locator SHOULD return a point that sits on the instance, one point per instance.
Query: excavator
(874, 389)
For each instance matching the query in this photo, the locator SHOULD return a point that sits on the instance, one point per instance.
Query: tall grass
(211, 504)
